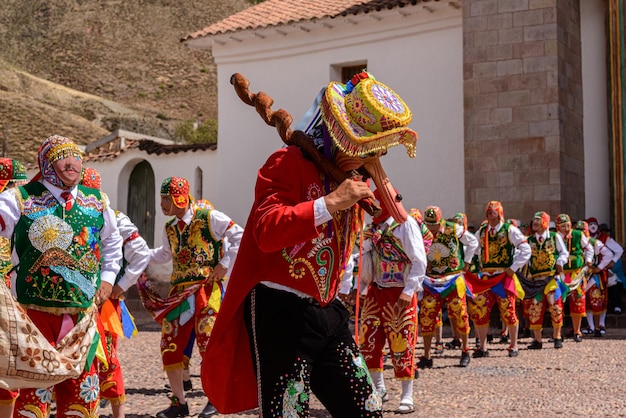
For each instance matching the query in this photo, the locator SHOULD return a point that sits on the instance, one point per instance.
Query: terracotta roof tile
(150, 147)
(284, 12)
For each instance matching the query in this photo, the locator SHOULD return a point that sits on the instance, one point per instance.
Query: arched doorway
(140, 202)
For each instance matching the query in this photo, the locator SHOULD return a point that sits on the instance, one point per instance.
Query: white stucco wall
(116, 173)
(419, 56)
(595, 121)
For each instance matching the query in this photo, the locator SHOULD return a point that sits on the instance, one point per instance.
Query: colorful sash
(443, 286)
(175, 304)
(500, 284)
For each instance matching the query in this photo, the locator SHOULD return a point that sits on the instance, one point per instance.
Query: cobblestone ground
(582, 379)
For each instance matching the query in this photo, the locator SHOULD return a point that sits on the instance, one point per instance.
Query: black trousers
(298, 347)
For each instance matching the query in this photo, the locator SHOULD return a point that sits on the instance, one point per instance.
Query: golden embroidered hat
(365, 116)
(53, 149)
(178, 188)
(11, 170)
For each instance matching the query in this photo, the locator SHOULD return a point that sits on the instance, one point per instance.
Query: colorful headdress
(497, 206)
(11, 170)
(515, 222)
(204, 204)
(365, 116)
(178, 188)
(582, 226)
(53, 149)
(545, 219)
(460, 219)
(416, 214)
(563, 218)
(432, 215)
(90, 178)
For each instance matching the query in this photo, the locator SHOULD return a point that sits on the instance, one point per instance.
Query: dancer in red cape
(282, 332)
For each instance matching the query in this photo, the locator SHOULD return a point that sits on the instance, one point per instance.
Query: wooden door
(140, 202)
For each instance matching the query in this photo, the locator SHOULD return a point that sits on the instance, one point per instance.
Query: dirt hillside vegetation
(83, 68)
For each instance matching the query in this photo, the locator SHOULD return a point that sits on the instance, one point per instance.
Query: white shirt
(136, 252)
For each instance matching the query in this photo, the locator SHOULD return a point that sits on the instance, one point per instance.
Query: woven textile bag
(27, 359)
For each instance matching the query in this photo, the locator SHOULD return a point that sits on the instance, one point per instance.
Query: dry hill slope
(126, 55)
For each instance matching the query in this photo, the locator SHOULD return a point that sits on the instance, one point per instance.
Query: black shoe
(504, 339)
(187, 386)
(489, 338)
(465, 359)
(535, 345)
(513, 352)
(455, 343)
(175, 410)
(578, 338)
(425, 363)
(597, 333)
(480, 353)
(438, 348)
(558, 343)
(208, 411)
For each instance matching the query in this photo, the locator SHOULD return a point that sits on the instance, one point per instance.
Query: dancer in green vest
(194, 241)
(69, 250)
(542, 285)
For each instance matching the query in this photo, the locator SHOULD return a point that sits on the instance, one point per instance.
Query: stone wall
(523, 107)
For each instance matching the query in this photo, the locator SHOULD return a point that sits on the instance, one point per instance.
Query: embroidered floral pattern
(44, 395)
(90, 388)
(32, 356)
(49, 362)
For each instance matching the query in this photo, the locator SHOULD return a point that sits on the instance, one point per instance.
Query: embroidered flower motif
(44, 395)
(387, 98)
(50, 231)
(90, 388)
(32, 356)
(31, 334)
(438, 252)
(49, 362)
(184, 256)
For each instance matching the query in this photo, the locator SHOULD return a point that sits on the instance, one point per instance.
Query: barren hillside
(115, 63)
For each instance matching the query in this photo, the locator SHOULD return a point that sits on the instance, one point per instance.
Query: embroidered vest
(576, 252)
(389, 259)
(445, 255)
(543, 256)
(499, 251)
(195, 251)
(5, 257)
(59, 250)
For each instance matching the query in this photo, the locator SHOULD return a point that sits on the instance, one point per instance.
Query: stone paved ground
(582, 379)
